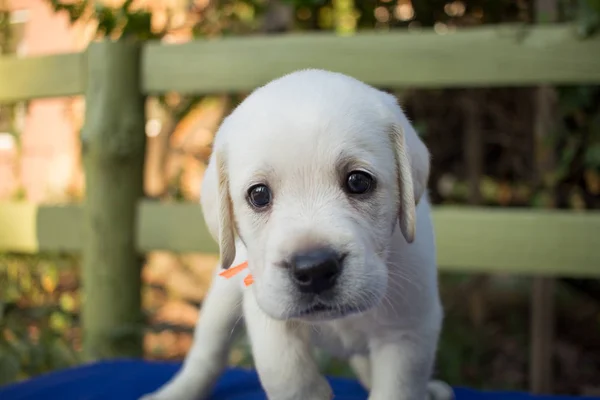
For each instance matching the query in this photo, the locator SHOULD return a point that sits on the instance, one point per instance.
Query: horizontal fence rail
(501, 55)
(469, 239)
(39, 77)
(487, 56)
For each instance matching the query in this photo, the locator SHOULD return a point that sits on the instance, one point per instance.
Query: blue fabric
(128, 380)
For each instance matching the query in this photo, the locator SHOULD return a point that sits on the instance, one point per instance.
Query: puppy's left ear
(412, 164)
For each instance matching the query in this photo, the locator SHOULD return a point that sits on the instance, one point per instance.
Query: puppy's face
(311, 175)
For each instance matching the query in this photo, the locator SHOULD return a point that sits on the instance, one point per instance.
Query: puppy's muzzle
(316, 271)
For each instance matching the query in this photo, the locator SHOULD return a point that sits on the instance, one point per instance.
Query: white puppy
(318, 181)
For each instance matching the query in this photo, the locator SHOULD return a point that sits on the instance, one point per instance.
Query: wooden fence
(115, 226)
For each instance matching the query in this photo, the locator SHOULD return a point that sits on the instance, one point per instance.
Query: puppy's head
(312, 173)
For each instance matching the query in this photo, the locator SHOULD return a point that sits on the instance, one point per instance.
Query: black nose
(316, 271)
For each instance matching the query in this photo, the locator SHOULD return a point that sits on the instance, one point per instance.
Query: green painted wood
(113, 144)
(175, 227)
(37, 77)
(18, 227)
(469, 239)
(527, 241)
(542, 318)
(487, 56)
(69, 218)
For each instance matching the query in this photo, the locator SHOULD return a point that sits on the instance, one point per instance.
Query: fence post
(113, 145)
(543, 319)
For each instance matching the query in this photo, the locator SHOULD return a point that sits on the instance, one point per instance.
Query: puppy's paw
(174, 392)
(438, 390)
(315, 390)
(159, 394)
(319, 391)
(152, 396)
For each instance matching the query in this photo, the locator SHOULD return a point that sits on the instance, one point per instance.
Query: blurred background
(485, 146)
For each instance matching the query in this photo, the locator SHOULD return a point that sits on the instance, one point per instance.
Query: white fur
(291, 133)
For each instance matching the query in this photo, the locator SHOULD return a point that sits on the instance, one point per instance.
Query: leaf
(50, 278)
(26, 282)
(138, 25)
(10, 366)
(568, 155)
(37, 358)
(67, 302)
(59, 321)
(421, 128)
(74, 10)
(588, 18)
(594, 5)
(572, 98)
(107, 22)
(61, 355)
(592, 156)
(305, 3)
(126, 5)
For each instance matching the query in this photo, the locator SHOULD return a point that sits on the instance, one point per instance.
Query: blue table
(128, 379)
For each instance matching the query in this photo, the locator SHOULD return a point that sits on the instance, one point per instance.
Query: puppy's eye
(359, 182)
(259, 196)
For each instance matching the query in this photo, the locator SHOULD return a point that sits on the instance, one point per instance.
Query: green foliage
(305, 3)
(73, 10)
(121, 22)
(594, 5)
(589, 17)
(36, 319)
(577, 139)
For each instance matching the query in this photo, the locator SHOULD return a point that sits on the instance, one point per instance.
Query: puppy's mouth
(322, 311)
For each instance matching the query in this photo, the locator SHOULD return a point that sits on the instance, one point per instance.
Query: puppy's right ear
(217, 207)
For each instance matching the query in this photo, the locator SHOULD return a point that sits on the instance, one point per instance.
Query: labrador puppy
(318, 181)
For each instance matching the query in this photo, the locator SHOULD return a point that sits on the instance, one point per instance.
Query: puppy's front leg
(283, 356)
(208, 356)
(402, 363)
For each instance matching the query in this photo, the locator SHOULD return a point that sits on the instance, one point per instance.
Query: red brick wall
(48, 137)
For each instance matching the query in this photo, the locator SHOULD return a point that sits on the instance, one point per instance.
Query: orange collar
(232, 271)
